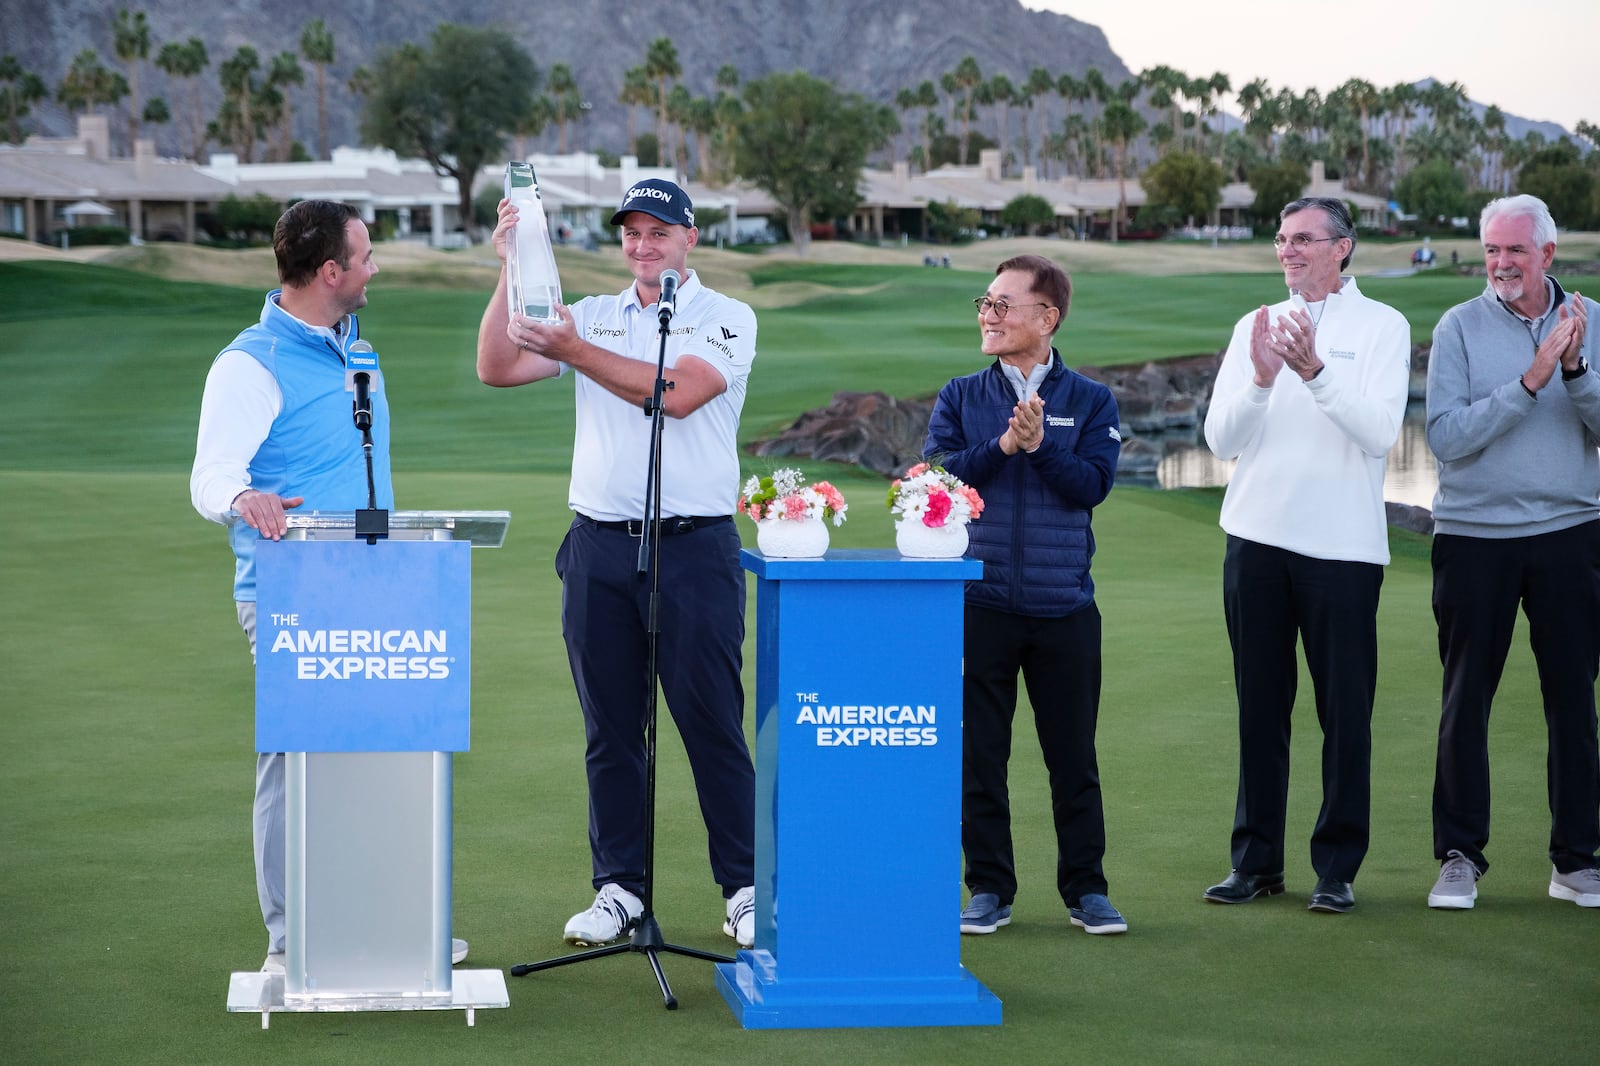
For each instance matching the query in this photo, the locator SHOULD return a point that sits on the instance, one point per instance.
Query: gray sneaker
(1580, 886)
(1457, 886)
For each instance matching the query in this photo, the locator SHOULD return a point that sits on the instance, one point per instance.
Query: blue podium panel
(363, 647)
(858, 795)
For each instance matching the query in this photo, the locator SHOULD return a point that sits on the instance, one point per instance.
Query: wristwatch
(1574, 374)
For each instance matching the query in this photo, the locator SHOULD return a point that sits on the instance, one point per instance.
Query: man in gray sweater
(1514, 420)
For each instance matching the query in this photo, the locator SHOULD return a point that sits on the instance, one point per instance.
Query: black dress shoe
(1242, 888)
(1332, 897)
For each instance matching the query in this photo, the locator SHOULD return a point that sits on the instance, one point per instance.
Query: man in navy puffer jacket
(1039, 442)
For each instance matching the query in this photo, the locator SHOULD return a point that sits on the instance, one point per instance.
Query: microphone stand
(371, 523)
(646, 938)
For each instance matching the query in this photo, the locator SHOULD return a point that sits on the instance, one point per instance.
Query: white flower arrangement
(785, 495)
(934, 497)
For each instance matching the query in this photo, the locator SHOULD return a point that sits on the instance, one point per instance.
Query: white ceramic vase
(917, 541)
(783, 538)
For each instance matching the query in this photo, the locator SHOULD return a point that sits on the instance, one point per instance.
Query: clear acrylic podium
(368, 856)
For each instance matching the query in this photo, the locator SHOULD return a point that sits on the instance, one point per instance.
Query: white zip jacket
(1311, 453)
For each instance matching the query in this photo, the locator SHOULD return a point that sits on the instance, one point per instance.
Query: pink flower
(794, 507)
(974, 501)
(938, 508)
(920, 468)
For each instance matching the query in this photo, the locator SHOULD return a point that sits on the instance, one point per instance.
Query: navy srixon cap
(658, 197)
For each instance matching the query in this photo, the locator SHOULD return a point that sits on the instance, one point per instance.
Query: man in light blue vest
(276, 433)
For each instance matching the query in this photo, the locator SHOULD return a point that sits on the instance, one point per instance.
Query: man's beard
(1509, 289)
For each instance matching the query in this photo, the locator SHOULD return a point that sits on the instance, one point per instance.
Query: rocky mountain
(874, 48)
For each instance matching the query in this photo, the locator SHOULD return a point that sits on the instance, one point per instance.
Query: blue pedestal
(858, 797)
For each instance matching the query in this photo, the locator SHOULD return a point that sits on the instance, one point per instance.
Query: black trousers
(604, 611)
(1478, 584)
(1270, 598)
(1059, 660)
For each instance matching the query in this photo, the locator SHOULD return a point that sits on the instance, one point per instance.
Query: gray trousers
(268, 822)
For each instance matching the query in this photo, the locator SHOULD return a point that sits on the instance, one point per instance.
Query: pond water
(1410, 476)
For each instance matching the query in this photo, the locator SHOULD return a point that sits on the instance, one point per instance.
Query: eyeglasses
(1301, 241)
(1001, 308)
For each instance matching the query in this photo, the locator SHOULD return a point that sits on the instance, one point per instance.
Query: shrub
(79, 236)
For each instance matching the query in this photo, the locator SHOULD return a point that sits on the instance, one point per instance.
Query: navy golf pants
(605, 605)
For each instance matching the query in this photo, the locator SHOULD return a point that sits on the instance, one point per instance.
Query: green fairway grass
(126, 879)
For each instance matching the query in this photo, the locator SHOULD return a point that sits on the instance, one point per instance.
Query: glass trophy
(533, 286)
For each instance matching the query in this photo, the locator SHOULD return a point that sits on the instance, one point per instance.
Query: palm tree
(1263, 113)
(662, 68)
(1303, 112)
(1250, 97)
(928, 100)
(156, 112)
(1447, 103)
(131, 41)
(636, 92)
(700, 120)
(566, 102)
(20, 89)
(186, 61)
(1219, 86)
(1492, 142)
(1162, 133)
(1399, 101)
(1080, 141)
(1240, 155)
(284, 72)
(727, 109)
(1121, 124)
(1039, 84)
(680, 112)
(1363, 96)
(906, 101)
(316, 44)
(1518, 153)
(1096, 88)
(1344, 135)
(1166, 84)
(1001, 93)
(88, 84)
(1055, 146)
(1072, 91)
(236, 120)
(965, 81)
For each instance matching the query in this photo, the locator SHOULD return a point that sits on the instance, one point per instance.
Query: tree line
(458, 100)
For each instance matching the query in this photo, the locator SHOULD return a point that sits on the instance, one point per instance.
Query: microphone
(361, 382)
(667, 306)
(361, 363)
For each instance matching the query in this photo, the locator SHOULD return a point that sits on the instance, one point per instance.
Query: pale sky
(1539, 59)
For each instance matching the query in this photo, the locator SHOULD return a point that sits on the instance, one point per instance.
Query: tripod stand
(647, 938)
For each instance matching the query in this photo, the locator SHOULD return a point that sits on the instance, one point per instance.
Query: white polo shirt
(611, 443)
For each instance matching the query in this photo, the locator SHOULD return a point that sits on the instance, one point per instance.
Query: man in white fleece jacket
(1309, 399)
(1514, 419)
